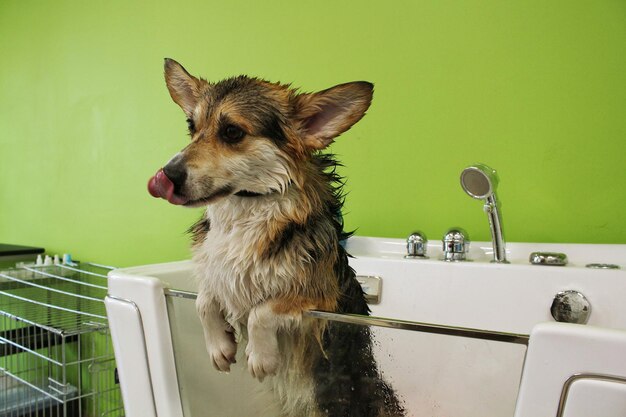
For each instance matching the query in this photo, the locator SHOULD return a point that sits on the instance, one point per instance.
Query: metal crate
(56, 356)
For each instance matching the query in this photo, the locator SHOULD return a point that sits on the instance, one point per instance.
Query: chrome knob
(570, 307)
(455, 245)
(416, 245)
(602, 266)
(548, 258)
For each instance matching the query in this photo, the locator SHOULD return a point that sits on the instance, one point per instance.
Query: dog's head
(249, 136)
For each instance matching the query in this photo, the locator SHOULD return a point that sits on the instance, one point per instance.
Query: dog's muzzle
(160, 186)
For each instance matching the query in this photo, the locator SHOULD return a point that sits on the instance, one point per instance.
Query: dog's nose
(176, 171)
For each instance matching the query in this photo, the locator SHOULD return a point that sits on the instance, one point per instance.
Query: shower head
(479, 181)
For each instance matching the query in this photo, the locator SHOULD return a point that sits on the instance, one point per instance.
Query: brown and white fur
(267, 248)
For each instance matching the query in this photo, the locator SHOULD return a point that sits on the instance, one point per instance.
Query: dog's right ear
(184, 87)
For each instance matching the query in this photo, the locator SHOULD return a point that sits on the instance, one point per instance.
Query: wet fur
(267, 248)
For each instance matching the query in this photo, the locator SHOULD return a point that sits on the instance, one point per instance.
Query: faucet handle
(416, 245)
(455, 244)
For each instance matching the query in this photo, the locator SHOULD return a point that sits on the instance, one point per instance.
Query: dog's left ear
(327, 114)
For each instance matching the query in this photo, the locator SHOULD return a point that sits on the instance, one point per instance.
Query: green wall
(537, 89)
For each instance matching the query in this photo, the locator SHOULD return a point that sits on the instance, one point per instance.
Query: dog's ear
(184, 88)
(327, 114)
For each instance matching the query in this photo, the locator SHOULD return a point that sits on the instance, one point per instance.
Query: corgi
(267, 248)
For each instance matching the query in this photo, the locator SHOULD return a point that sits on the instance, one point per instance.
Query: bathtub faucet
(480, 181)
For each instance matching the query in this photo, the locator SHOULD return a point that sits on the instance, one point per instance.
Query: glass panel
(204, 391)
(432, 375)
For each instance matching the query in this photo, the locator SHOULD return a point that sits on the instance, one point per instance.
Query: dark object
(24, 401)
(16, 250)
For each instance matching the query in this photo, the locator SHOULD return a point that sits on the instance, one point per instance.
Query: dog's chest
(230, 267)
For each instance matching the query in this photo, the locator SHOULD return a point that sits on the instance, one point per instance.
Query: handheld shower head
(480, 181)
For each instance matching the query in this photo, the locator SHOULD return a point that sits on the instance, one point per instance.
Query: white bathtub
(165, 372)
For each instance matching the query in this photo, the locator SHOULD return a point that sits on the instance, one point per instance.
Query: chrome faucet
(456, 244)
(416, 246)
(480, 181)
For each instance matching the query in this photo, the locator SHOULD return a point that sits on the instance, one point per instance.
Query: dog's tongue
(163, 187)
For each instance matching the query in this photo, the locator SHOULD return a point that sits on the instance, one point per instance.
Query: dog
(268, 249)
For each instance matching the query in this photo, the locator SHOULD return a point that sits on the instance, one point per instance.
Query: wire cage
(56, 355)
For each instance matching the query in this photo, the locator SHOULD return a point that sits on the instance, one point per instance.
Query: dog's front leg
(264, 322)
(219, 336)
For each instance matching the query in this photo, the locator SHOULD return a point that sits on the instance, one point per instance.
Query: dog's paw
(222, 351)
(260, 365)
(263, 359)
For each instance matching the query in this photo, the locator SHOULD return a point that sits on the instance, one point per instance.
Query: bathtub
(455, 339)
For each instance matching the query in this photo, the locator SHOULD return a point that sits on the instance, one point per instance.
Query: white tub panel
(146, 293)
(558, 351)
(133, 369)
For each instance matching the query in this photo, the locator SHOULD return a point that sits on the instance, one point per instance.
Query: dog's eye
(191, 125)
(232, 134)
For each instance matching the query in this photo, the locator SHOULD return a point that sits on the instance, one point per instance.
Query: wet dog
(268, 247)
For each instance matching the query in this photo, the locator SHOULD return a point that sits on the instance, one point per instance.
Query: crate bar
(82, 271)
(49, 275)
(61, 330)
(53, 306)
(43, 287)
(35, 387)
(22, 348)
